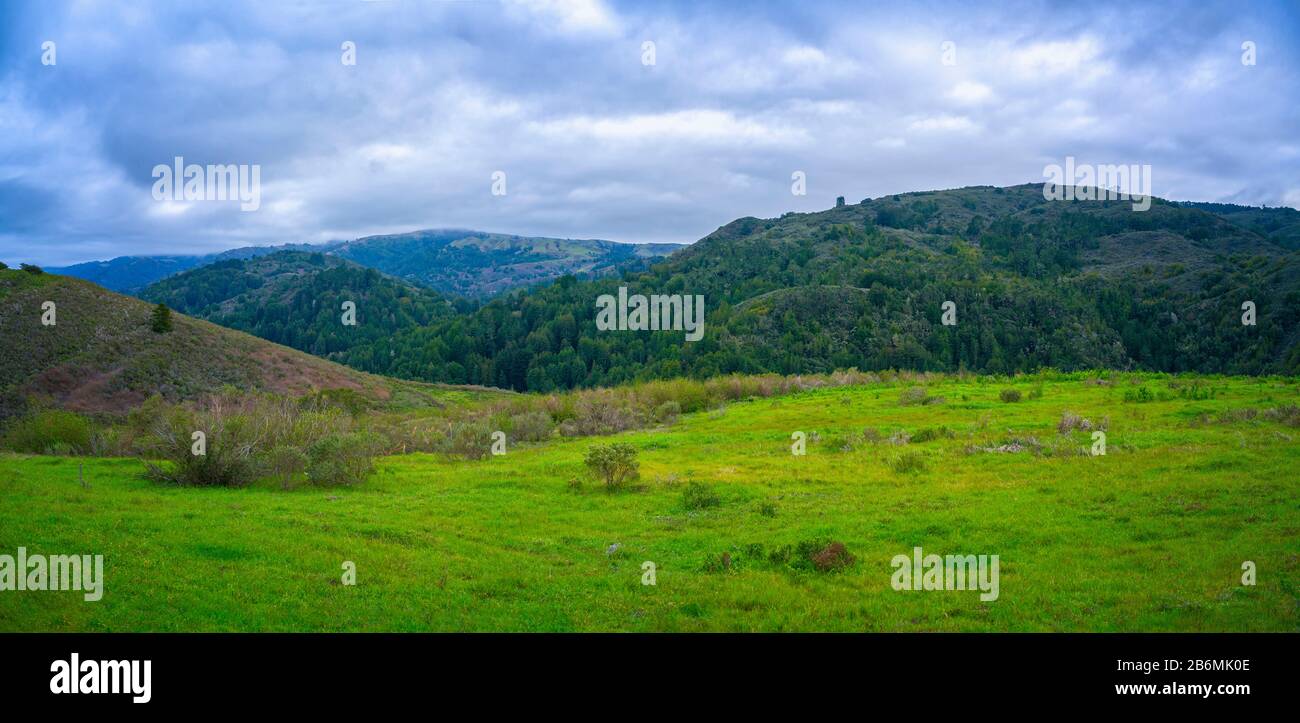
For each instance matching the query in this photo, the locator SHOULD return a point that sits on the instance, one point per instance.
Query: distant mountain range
(1033, 283)
(466, 263)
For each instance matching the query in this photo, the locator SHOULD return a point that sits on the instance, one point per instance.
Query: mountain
(464, 263)
(1066, 284)
(129, 274)
(296, 299)
(477, 264)
(101, 354)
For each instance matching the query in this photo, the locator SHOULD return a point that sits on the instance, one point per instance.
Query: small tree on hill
(31, 269)
(162, 319)
(613, 463)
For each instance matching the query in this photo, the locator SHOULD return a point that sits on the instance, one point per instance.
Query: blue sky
(595, 143)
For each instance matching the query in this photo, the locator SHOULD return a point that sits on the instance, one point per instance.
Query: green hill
(101, 354)
(295, 298)
(1036, 283)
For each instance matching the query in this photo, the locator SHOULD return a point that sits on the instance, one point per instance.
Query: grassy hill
(1198, 477)
(101, 355)
(1035, 283)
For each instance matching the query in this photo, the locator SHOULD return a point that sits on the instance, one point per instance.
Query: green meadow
(1199, 476)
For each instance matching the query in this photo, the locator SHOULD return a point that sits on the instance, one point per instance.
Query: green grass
(1150, 536)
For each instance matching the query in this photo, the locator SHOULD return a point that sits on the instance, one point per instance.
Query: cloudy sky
(596, 142)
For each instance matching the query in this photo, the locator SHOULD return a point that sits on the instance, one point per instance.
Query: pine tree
(162, 319)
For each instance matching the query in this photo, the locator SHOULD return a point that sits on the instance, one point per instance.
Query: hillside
(477, 264)
(102, 356)
(128, 274)
(1071, 285)
(464, 263)
(295, 298)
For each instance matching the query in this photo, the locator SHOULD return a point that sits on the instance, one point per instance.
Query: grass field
(1149, 537)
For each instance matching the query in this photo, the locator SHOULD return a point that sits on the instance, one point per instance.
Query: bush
(667, 412)
(472, 440)
(342, 459)
(834, 556)
(698, 496)
(31, 269)
(49, 432)
(917, 396)
(929, 433)
(530, 427)
(613, 464)
(1009, 395)
(249, 438)
(908, 462)
(285, 463)
(227, 460)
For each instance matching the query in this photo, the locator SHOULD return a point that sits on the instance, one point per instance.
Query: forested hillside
(1036, 283)
(296, 299)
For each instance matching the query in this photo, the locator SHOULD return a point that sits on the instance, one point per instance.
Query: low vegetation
(745, 535)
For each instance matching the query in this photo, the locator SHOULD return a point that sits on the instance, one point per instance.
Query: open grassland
(1199, 475)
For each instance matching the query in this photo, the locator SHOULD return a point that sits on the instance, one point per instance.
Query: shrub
(929, 433)
(49, 432)
(834, 556)
(342, 459)
(531, 427)
(227, 460)
(698, 496)
(667, 412)
(1009, 395)
(1139, 395)
(918, 396)
(469, 439)
(285, 463)
(613, 464)
(31, 269)
(908, 462)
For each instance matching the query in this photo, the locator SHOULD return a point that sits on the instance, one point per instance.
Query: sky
(638, 122)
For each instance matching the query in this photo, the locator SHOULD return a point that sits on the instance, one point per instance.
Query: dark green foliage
(31, 269)
(161, 321)
(1009, 395)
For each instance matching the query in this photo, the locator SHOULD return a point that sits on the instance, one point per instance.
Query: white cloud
(569, 16)
(970, 93)
(702, 126)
